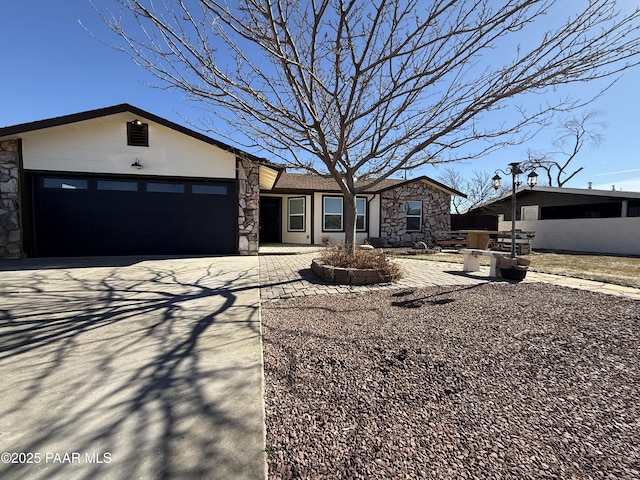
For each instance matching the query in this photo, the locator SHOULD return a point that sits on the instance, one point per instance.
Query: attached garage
(122, 181)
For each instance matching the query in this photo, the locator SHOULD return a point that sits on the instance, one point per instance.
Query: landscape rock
(502, 380)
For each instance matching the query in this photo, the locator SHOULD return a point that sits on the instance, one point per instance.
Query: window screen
(332, 214)
(414, 216)
(296, 214)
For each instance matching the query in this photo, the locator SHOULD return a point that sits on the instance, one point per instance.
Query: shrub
(338, 256)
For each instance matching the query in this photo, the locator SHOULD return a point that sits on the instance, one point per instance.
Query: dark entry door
(80, 216)
(270, 220)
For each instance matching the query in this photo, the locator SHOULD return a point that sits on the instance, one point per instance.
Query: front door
(270, 220)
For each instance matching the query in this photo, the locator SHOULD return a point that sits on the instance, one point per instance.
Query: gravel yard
(490, 381)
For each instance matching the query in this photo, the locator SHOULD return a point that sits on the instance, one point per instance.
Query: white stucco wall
(373, 215)
(296, 237)
(601, 235)
(100, 146)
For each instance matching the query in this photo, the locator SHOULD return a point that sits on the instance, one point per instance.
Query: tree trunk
(349, 213)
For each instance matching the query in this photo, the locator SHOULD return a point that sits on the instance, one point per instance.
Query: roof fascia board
(429, 180)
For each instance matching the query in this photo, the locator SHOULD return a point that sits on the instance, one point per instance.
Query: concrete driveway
(131, 368)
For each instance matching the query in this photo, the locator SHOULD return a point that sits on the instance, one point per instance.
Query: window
(165, 187)
(209, 189)
(332, 214)
(296, 215)
(66, 183)
(137, 134)
(118, 185)
(414, 216)
(361, 214)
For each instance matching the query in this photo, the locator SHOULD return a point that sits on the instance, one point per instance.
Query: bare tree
(571, 138)
(478, 188)
(363, 89)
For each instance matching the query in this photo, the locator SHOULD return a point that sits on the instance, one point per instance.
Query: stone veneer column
(10, 229)
(436, 213)
(248, 210)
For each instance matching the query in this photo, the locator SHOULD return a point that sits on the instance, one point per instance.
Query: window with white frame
(332, 214)
(296, 209)
(414, 216)
(361, 214)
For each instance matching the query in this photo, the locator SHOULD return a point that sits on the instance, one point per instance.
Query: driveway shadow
(150, 370)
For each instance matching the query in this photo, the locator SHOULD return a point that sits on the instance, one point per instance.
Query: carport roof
(525, 190)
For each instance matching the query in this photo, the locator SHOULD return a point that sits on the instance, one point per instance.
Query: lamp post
(514, 170)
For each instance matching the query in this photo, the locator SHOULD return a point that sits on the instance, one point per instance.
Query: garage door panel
(117, 222)
(164, 222)
(204, 223)
(133, 216)
(65, 219)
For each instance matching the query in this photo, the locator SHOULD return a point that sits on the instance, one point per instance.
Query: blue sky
(51, 66)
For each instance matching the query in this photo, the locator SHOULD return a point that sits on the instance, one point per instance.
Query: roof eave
(435, 183)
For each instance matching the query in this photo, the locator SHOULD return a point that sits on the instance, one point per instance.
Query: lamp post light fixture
(532, 179)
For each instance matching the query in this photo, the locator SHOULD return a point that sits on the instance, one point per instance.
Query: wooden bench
(523, 241)
(472, 260)
(451, 239)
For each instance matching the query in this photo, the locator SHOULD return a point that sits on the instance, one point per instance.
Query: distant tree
(558, 165)
(363, 89)
(478, 188)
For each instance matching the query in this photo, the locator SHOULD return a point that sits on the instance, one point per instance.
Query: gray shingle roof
(317, 183)
(307, 182)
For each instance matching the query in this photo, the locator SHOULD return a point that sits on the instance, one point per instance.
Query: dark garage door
(80, 216)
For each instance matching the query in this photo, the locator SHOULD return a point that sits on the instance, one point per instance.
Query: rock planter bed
(350, 276)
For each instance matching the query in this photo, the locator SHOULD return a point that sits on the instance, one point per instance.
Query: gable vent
(138, 134)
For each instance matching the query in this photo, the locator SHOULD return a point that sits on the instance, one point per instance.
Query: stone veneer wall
(10, 231)
(248, 210)
(436, 213)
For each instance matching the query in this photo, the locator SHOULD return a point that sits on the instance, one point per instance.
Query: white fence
(599, 235)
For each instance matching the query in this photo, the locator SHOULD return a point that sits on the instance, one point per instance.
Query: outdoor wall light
(496, 181)
(136, 122)
(532, 179)
(137, 164)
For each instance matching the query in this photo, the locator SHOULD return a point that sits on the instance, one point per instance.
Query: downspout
(312, 240)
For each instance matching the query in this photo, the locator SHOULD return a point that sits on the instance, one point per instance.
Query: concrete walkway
(285, 272)
(130, 368)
